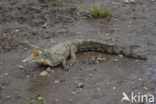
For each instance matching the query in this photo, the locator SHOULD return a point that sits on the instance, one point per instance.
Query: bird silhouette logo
(125, 97)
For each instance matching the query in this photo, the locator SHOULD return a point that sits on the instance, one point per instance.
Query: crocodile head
(39, 55)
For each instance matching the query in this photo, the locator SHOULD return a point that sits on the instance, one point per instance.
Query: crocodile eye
(36, 53)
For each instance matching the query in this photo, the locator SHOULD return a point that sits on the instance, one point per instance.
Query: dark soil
(47, 22)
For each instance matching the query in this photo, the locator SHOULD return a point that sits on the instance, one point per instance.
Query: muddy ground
(47, 22)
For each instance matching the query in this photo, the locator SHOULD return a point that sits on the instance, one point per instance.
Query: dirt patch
(47, 22)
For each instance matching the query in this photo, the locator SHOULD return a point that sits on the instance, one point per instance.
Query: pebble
(126, 1)
(52, 41)
(108, 83)
(57, 81)
(98, 89)
(104, 59)
(80, 89)
(48, 69)
(25, 49)
(44, 73)
(145, 88)
(21, 66)
(52, 71)
(101, 59)
(97, 61)
(76, 78)
(34, 75)
(107, 34)
(6, 74)
(49, 75)
(87, 79)
(73, 92)
(40, 98)
(120, 55)
(90, 74)
(76, 81)
(2, 87)
(140, 79)
(16, 30)
(56, 100)
(71, 100)
(69, 81)
(115, 60)
(136, 60)
(1, 63)
(114, 88)
(11, 44)
(4, 34)
(34, 29)
(132, 1)
(152, 0)
(8, 97)
(44, 25)
(27, 76)
(80, 85)
(130, 22)
(113, 40)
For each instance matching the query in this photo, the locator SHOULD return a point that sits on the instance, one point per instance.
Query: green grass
(37, 99)
(97, 12)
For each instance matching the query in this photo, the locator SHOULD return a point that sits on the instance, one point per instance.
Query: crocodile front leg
(64, 64)
(72, 55)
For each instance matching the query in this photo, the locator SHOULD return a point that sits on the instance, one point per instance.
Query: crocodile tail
(125, 52)
(99, 46)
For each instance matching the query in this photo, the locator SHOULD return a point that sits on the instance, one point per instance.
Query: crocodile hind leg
(64, 64)
(72, 59)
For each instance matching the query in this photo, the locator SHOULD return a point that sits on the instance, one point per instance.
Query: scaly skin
(58, 54)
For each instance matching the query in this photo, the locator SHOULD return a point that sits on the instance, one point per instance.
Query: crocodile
(60, 53)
